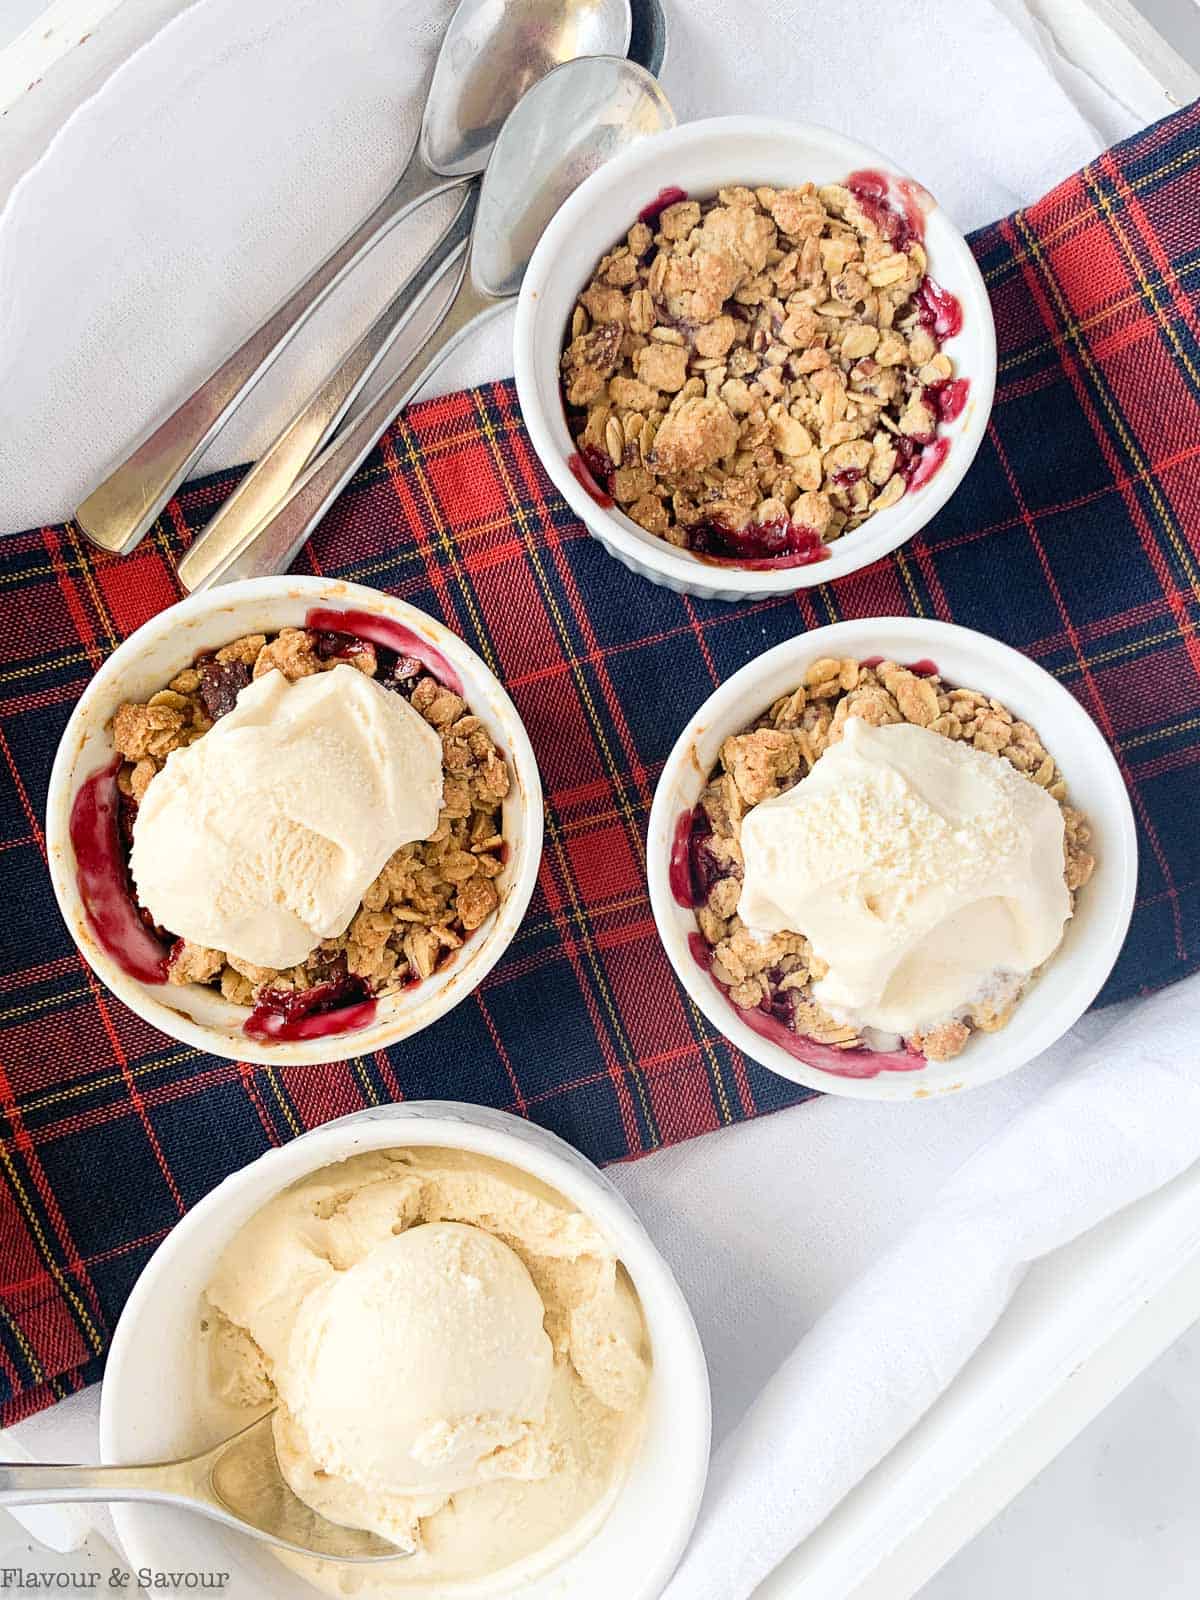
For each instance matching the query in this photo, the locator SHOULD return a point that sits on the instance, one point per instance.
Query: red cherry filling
(679, 872)
(938, 310)
(220, 684)
(99, 825)
(948, 398)
(590, 468)
(331, 646)
(339, 1005)
(892, 204)
(650, 214)
(360, 628)
(780, 543)
(922, 466)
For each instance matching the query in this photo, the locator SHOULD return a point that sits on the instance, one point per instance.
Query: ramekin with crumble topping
(774, 976)
(891, 858)
(752, 375)
(712, 380)
(401, 932)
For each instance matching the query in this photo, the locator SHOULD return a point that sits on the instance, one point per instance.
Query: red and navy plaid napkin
(1076, 538)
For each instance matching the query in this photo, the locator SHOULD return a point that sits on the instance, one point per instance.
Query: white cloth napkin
(1118, 1118)
(218, 165)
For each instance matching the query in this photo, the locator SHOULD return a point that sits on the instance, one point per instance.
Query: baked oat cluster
(428, 897)
(757, 374)
(776, 971)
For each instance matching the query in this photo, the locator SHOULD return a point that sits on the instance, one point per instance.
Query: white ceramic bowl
(971, 660)
(198, 1015)
(702, 157)
(146, 1414)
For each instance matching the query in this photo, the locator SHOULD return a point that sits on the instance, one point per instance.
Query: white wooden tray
(1133, 1286)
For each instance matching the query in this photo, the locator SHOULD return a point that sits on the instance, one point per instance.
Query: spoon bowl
(237, 1482)
(242, 1476)
(577, 118)
(482, 70)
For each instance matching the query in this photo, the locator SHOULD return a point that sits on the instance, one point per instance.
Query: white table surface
(1111, 1516)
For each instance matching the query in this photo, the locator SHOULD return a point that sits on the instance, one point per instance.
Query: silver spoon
(272, 475)
(648, 39)
(490, 55)
(579, 116)
(285, 458)
(238, 1482)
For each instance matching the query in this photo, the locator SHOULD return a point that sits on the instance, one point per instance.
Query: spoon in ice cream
(579, 116)
(238, 1482)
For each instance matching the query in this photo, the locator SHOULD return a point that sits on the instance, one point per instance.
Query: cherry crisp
(429, 897)
(775, 973)
(753, 376)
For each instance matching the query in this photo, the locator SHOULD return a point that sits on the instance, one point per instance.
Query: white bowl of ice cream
(789, 327)
(908, 907)
(288, 840)
(470, 1332)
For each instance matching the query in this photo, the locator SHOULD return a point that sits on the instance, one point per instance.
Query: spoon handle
(118, 513)
(274, 543)
(277, 469)
(22, 1485)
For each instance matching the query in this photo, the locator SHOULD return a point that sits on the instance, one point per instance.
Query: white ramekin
(149, 1410)
(702, 157)
(198, 1015)
(971, 660)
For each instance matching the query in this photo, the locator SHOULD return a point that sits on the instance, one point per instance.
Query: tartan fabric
(1076, 538)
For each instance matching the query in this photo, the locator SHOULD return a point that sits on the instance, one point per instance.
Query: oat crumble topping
(775, 972)
(429, 896)
(762, 372)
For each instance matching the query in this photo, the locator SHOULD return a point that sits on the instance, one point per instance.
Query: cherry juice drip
(665, 197)
(759, 545)
(102, 873)
(693, 869)
(589, 469)
(894, 205)
(920, 458)
(920, 468)
(340, 1005)
(405, 642)
(938, 310)
(948, 398)
(860, 1063)
(679, 873)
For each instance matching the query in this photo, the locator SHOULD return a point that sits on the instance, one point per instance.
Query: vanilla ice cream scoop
(458, 1359)
(924, 872)
(422, 1367)
(260, 838)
